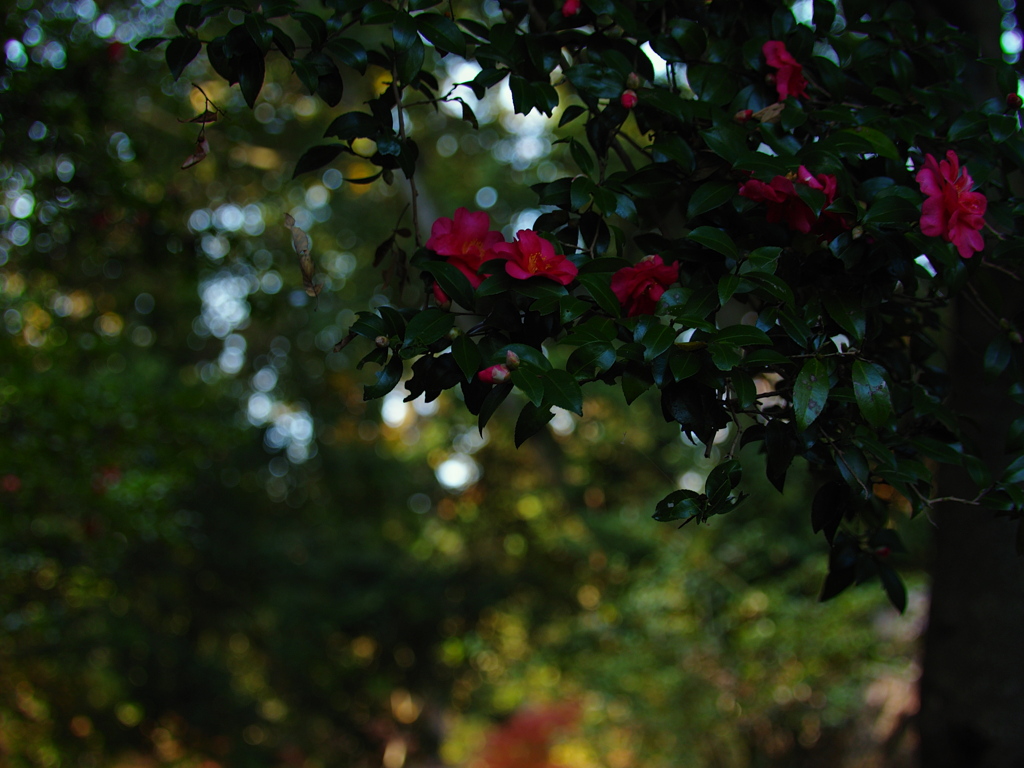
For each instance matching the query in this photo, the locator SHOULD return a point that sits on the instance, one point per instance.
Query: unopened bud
(1013, 101)
(511, 360)
(381, 341)
(571, 8)
(628, 99)
(454, 333)
(496, 374)
(634, 81)
(743, 116)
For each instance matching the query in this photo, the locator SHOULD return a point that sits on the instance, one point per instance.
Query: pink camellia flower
(952, 211)
(639, 287)
(570, 8)
(531, 256)
(789, 80)
(496, 374)
(628, 99)
(784, 204)
(467, 243)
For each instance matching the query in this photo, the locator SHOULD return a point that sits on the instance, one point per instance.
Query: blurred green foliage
(213, 552)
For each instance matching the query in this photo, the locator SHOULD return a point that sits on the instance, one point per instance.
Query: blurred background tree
(213, 552)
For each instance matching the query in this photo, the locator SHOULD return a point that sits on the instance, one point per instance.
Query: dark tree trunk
(972, 688)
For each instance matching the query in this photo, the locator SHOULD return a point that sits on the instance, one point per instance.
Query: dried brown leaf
(209, 116)
(202, 150)
(300, 242)
(770, 114)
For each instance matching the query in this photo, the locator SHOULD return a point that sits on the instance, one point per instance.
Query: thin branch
(414, 193)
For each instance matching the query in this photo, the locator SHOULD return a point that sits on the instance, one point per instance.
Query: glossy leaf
(810, 392)
(872, 393)
(180, 52)
(317, 157)
(532, 419)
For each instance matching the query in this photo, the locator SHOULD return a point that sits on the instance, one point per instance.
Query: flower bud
(454, 333)
(634, 81)
(496, 374)
(511, 360)
(628, 99)
(570, 8)
(381, 341)
(743, 116)
(1013, 101)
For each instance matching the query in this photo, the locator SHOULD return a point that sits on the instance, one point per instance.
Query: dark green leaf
(727, 140)
(880, 143)
(634, 384)
(353, 125)
(530, 384)
(314, 27)
(836, 581)
(350, 52)
(599, 287)
(570, 113)
(722, 479)
(895, 589)
(997, 355)
(452, 281)
(743, 336)
(307, 74)
(188, 16)
(891, 210)
(404, 32)
(871, 392)
(251, 71)
(491, 402)
(317, 157)
(970, 125)
(426, 327)
(180, 52)
(716, 240)
(655, 337)
(149, 43)
(442, 32)
(683, 364)
(590, 359)
(780, 449)
(744, 389)
(830, 505)
(467, 355)
(387, 379)
(709, 196)
(260, 30)
(725, 356)
(810, 392)
(531, 420)
(848, 312)
(680, 505)
(411, 61)
(562, 389)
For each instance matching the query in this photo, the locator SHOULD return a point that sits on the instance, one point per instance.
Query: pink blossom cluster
(467, 242)
(951, 211)
(789, 75)
(785, 204)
